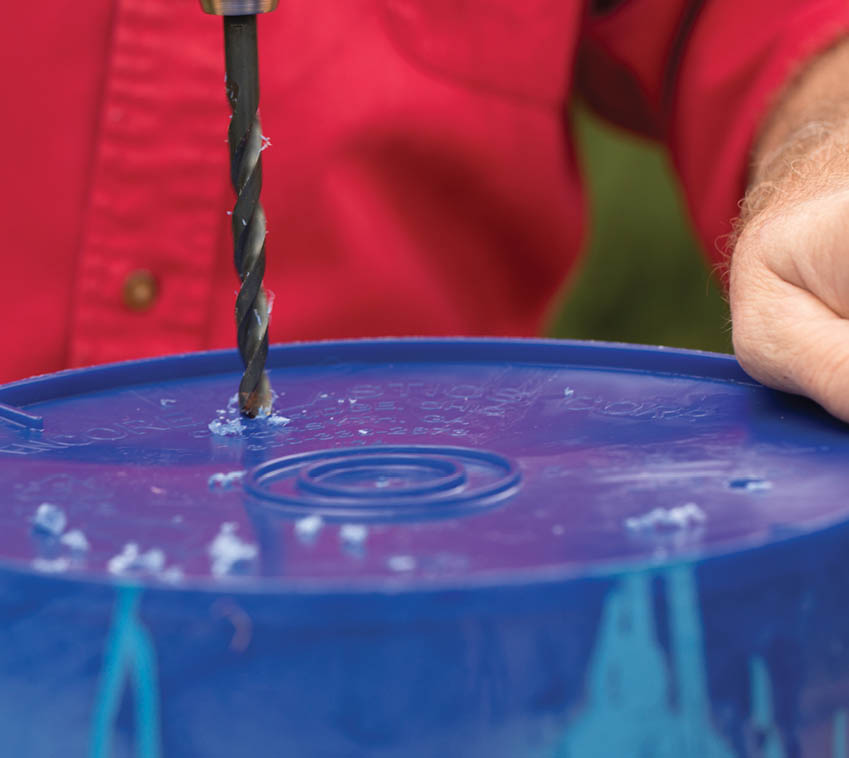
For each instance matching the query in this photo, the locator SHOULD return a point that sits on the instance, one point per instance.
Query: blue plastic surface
(467, 548)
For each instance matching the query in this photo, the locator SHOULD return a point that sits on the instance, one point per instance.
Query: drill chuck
(238, 7)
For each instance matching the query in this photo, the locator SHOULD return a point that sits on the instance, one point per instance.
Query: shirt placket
(160, 176)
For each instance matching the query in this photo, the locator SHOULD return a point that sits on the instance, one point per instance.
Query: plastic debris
(166, 401)
(364, 432)
(568, 392)
(307, 528)
(131, 560)
(230, 423)
(224, 481)
(49, 519)
(226, 427)
(679, 518)
(401, 563)
(153, 560)
(228, 552)
(75, 540)
(353, 534)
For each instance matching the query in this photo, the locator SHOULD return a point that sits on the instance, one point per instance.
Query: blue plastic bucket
(500, 548)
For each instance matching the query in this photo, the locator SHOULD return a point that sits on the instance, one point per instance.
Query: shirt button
(140, 290)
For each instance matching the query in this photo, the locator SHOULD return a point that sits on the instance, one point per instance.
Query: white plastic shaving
(49, 519)
(308, 527)
(75, 540)
(226, 427)
(131, 560)
(225, 480)
(228, 552)
(679, 518)
(353, 534)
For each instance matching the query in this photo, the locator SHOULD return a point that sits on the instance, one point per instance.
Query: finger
(788, 339)
(822, 269)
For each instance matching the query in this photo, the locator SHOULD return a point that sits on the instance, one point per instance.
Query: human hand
(789, 294)
(789, 275)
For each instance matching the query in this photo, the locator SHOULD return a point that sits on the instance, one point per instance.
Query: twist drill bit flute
(248, 220)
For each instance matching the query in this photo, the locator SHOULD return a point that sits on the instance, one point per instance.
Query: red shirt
(421, 178)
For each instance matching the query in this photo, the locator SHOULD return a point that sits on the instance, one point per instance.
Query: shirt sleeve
(700, 75)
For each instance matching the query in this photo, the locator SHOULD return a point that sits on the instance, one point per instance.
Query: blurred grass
(643, 277)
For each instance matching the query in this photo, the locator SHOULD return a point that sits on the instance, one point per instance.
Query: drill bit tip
(255, 403)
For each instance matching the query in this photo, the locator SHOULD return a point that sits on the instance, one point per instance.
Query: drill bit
(245, 138)
(248, 218)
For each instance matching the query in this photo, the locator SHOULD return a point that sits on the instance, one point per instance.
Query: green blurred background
(643, 277)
